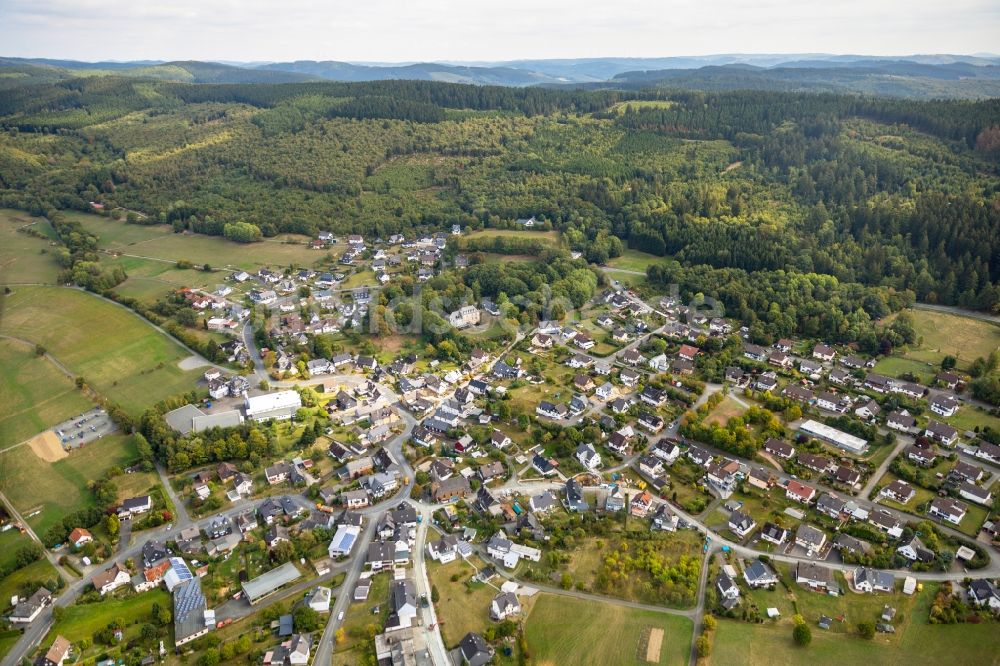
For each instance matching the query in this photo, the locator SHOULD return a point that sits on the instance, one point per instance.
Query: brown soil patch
(653, 645)
(47, 447)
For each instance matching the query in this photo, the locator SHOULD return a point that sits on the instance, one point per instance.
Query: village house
(761, 478)
(814, 576)
(779, 449)
(898, 491)
(867, 579)
(947, 509)
(847, 476)
(984, 593)
(886, 523)
(504, 605)
(941, 432)
(810, 538)
(588, 456)
(741, 524)
(641, 504)
(728, 591)
(799, 492)
(824, 353)
(944, 405)
(759, 575)
(774, 534)
(111, 579)
(915, 550)
(975, 493)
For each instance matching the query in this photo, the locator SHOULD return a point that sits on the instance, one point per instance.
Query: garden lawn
(118, 353)
(34, 394)
(82, 620)
(920, 496)
(38, 572)
(897, 366)
(564, 630)
(359, 615)
(60, 488)
(462, 607)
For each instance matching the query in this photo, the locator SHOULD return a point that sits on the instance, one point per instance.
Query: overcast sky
(407, 30)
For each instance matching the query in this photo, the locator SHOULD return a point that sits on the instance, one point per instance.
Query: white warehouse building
(842, 440)
(279, 406)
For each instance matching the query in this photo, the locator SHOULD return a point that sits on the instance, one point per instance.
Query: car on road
(340, 616)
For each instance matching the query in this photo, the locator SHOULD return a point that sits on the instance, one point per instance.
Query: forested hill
(757, 197)
(895, 79)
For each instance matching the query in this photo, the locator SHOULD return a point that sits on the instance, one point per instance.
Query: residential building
(867, 579)
(800, 492)
(814, 576)
(741, 524)
(898, 491)
(811, 538)
(759, 575)
(947, 509)
(504, 605)
(111, 579)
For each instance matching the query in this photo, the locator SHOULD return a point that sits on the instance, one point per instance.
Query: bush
(866, 630)
(801, 634)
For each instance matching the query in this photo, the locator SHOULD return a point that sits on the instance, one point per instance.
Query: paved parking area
(84, 428)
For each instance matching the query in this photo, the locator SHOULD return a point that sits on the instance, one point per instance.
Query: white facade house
(465, 316)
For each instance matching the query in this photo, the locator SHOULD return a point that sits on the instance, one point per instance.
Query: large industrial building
(270, 582)
(279, 406)
(841, 440)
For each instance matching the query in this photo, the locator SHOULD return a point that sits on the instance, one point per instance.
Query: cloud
(406, 30)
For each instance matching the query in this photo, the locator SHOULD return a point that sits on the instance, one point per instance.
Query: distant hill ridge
(916, 76)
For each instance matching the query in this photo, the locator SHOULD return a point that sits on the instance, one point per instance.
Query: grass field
(34, 394)
(25, 259)
(7, 640)
(119, 354)
(552, 236)
(943, 334)
(969, 417)
(160, 242)
(151, 279)
(643, 104)
(724, 411)
(915, 642)
(896, 366)
(10, 541)
(61, 487)
(563, 630)
(634, 260)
